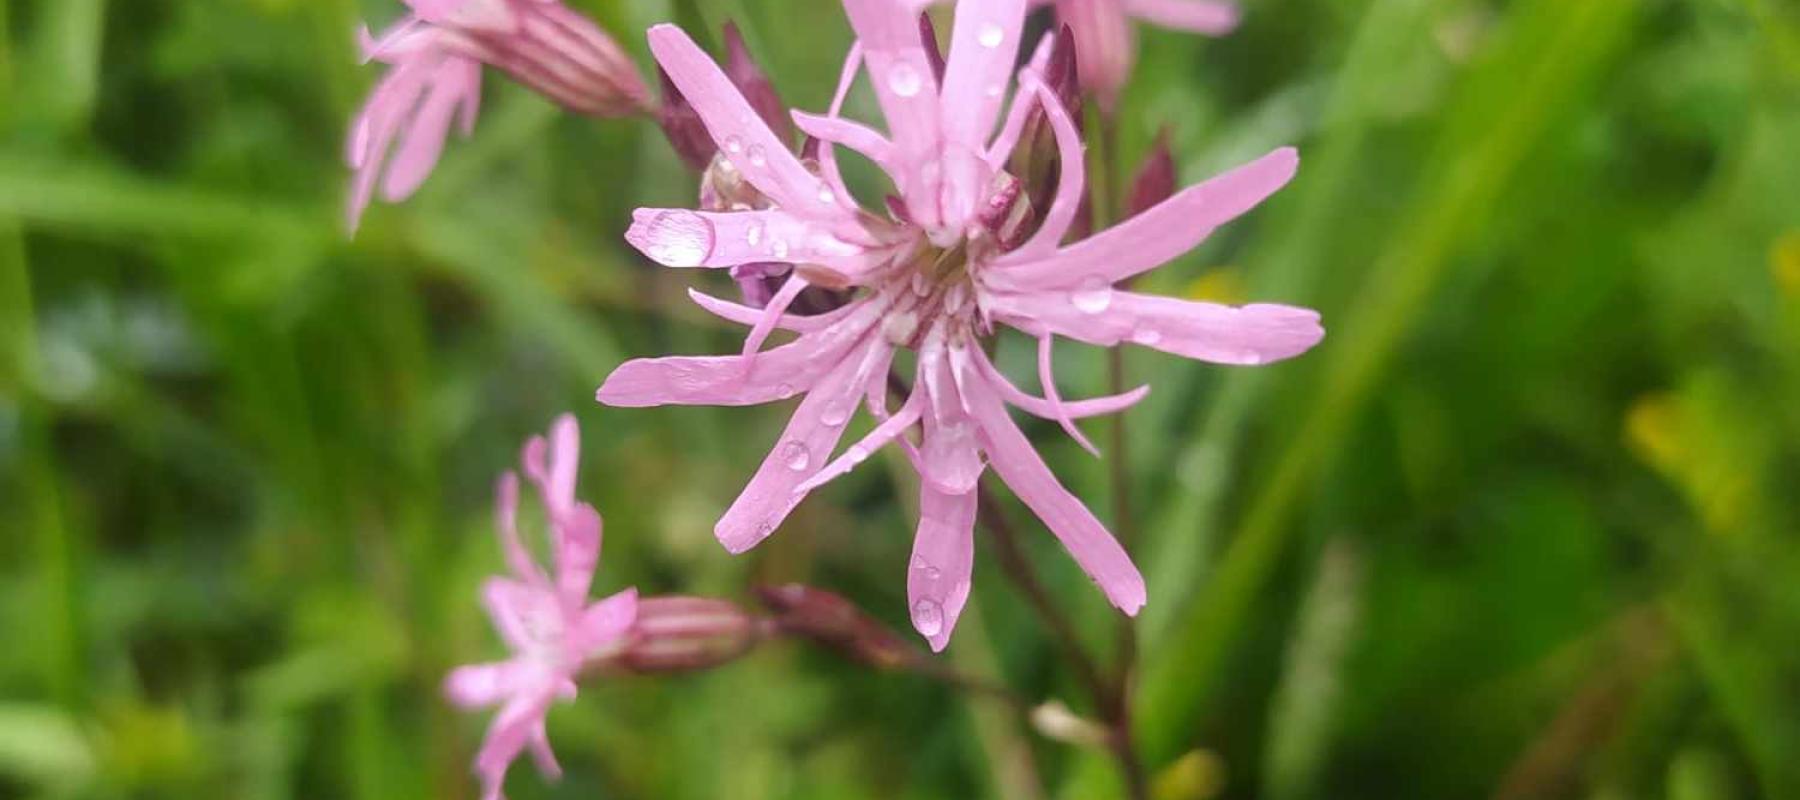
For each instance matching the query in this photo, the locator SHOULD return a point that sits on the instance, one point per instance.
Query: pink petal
(506, 514)
(516, 609)
(779, 373)
(1059, 412)
(742, 136)
(1198, 16)
(1153, 237)
(937, 580)
(745, 315)
(1030, 76)
(453, 80)
(676, 237)
(772, 314)
(856, 136)
(604, 622)
(949, 459)
(555, 477)
(575, 539)
(802, 451)
(889, 429)
(482, 685)
(1104, 48)
(1040, 407)
(828, 164)
(1098, 553)
(1252, 334)
(983, 45)
(511, 731)
(899, 70)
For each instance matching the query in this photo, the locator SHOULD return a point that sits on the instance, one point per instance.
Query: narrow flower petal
(482, 685)
(506, 514)
(900, 71)
(856, 136)
(1154, 237)
(1070, 185)
(745, 315)
(805, 445)
(742, 135)
(1254, 334)
(1095, 549)
(1058, 411)
(1040, 407)
(676, 237)
(943, 556)
(983, 46)
(515, 608)
(1198, 16)
(576, 539)
(949, 458)
(605, 622)
(508, 736)
(778, 373)
(889, 430)
(772, 314)
(456, 82)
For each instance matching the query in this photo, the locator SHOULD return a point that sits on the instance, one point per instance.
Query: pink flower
(436, 53)
(934, 277)
(545, 617)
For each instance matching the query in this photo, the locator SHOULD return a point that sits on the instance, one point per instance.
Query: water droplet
(727, 167)
(757, 156)
(753, 236)
(678, 238)
(795, 455)
(733, 144)
(903, 80)
(928, 617)
(994, 89)
(778, 247)
(826, 196)
(1253, 358)
(1094, 296)
(991, 35)
(1146, 336)
(836, 412)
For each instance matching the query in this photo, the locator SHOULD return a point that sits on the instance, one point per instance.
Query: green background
(1523, 526)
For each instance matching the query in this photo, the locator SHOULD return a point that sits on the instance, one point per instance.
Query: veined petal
(777, 373)
(802, 451)
(1254, 334)
(983, 46)
(677, 237)
(742, 136)
(949, 458)
(1095, 549)
(1153, 237)
(856, 136)
(943, 556)
(1199, 16)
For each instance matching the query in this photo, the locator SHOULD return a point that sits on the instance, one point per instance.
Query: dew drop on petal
(733, 144)
(1093, 296)
(903, 80)
(795, 456)
(928, 617)
(778, 247)
(1146, 336)
(754, 235)
(757, 157)
(991, 35)
(835, 413)
(826, 196)
(994, 89)
(678, 238)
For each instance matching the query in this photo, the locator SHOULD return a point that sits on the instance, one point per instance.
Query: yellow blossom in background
(1224, 284)
(1784, 263)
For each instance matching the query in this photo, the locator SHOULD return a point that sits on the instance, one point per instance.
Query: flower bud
(682, 634)
(830, 620)
(1155, 179)
(1037, 160)
(552, 49)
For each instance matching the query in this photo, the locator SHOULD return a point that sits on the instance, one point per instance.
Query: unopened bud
(1155, 179)
(1037, 160)
(682, 634)
(552, 49)
(754, 85)
(830, 620)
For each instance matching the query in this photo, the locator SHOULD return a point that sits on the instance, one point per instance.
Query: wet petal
(1095, 549)
(889, 429)
(802, 451)
(745, 315)
(1041, 407)
(776, 374)
(1254, 334)
(900, 71)
(677, 237)
(983, 46)
(943, 556)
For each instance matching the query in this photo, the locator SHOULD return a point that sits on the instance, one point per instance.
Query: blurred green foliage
(1523, 527)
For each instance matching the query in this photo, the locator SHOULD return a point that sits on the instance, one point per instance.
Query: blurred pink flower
(436, 53)
(1104, 45)
(544, 616)
(952, 259)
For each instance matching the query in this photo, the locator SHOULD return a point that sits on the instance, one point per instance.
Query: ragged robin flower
(957, 255)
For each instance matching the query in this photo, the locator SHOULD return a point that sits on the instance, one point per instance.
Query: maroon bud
(933, 54)
(834, 622)
(754, 84)
(1155, 179)
(682, 634)
(1037, 159)
(682, 126)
